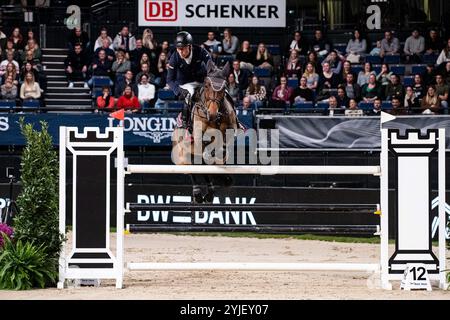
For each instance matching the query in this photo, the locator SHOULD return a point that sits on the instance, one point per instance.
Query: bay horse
(212, 111)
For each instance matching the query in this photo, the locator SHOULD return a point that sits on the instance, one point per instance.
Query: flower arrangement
(7, 230)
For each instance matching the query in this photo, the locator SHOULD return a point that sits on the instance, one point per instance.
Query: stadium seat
(373, 59)
(261, 72)
(293, 82)
(365, 106)
(398, 69)
(226, 58)
(377, 69)
(304, 107)
(408, 81)
(31, 104)
(274, 49)
(418, 69)
(7, 105)
(100, 81)
(356, 69)
(322, 105)
(394, 59)
(175, 105)
(166, 95)
(386, 105)
(341, 47)
(430, 58)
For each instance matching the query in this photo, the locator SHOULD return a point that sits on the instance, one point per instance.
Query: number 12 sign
(415, 277)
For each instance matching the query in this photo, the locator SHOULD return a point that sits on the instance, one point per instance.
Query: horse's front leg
(209, 196)
(197, 196)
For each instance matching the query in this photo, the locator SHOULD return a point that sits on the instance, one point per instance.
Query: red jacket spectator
(282, 92)
(104, 103)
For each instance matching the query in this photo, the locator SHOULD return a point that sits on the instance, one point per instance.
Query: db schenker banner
(207, 13)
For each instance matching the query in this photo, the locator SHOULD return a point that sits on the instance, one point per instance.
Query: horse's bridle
(203, 104)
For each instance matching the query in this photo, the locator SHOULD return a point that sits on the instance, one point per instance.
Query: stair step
(63, 84)
(55, 50)
(55, 72)
(55, 58)
(65, 89)
(57, 77)
(68, 96)
(53, 64)
(67, 108)
(77, 102)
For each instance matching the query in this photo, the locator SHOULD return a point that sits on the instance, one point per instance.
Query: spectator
(431, 103)
(10, 49)
(312, 58)
(333, 106)
(149, 42)
(246, 56)
(106, 46)
(328, 81)
(124, 40)
(103, 36)
(145, 69)
(29, 57)
(212, 44)
(161, 66)
(230, 42)
(4, 63)
(376, 110)
(31, 36)
(136, 55)
(442, 92)
(233, 88)
(282, 94)
(30, 89)
(246, 104)
(433, 43)
(128, 80)
(384, 77)
(298, 44)
(76, 65)
(29, 67)
(376, 51)
(256, 92)
(446, 73)
(263, 58)
(429, 76)
(312, 78)
(397, 108)
(17, 39)
(302, 93)
(319, 44)
(395, 88)
(11, 72)
(445, 54)
(389, 45)
(106, 100)
(78, 36)
(146, 92)
(242, 76)
(335, 61)
(8, 90)
(121, 65)
(341, 97)
(128, 101)
(165, 48)
(418, 87)
(346, 69)
(356, 47)
(35, 50)
(353, 104)
(352, 90)
(414, 47)
(3, 39)
(101, 67)
(411, 102)
(293, 66)
(363, 76)
(371, 90)
(145, 58)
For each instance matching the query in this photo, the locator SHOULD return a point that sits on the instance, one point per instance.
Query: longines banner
(219, 13)
(348, 133)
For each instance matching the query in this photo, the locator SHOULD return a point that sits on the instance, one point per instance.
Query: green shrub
(24, 265)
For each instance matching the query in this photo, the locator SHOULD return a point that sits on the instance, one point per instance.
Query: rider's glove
(183, 93)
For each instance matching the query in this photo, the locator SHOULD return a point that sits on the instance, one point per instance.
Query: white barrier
(412, 150)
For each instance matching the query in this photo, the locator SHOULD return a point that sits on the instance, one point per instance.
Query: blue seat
(377, 69)
(322, 105)
(399, 70)
(31, 104)
(373, 59)
(227, 58)
(430, 58)
(274, 49)
(419, 69)
(293, 82)
(341, 47)
(98, 91)
(356, 69)
(386, 105)
(304, 107)
(365, 106)
(101, 81)
(408, 81)
(261, 72)
(392, 59)
(166, 95)
(7, 105)
(175, 105)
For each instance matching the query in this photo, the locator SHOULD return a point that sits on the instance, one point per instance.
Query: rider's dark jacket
(179, 72)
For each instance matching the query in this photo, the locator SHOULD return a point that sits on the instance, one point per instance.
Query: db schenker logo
(161, 10)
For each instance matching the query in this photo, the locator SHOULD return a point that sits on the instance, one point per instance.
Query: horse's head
(214, 89)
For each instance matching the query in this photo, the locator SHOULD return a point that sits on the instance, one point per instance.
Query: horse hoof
(197, 198)
(209, 197)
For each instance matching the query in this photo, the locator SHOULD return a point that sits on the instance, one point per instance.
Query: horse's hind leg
(196, 190)
(209, 196)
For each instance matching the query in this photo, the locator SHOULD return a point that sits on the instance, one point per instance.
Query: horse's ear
(210, 67)
(226, 70)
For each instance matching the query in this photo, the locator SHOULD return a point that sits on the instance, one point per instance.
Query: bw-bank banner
(209, 13)
(343, 133)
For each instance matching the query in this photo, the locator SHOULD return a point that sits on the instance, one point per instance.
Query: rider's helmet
(183, 39)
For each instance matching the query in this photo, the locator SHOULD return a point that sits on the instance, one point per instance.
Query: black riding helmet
(183, 39)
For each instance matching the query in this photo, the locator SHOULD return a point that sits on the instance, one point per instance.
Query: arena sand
(230, 285)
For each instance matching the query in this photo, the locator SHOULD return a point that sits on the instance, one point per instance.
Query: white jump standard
(412, 153)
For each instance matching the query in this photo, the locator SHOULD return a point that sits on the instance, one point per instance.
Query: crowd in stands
(129, 71)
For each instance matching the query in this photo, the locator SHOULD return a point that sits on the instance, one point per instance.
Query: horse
(212, 109)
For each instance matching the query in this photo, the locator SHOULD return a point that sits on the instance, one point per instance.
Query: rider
(186, 71)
